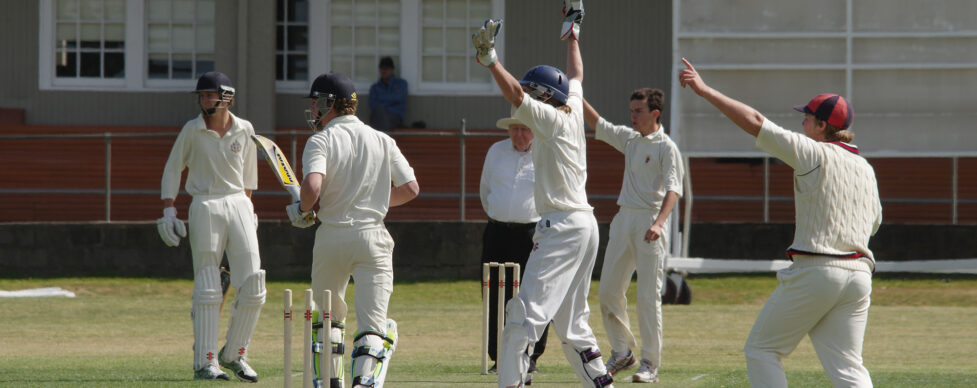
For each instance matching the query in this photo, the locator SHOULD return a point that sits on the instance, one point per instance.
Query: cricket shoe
(240, 368)
(646, 373)
(210, 372)
(616, 364)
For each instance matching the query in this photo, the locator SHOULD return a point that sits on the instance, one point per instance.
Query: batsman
(356, 174)
(216, 147)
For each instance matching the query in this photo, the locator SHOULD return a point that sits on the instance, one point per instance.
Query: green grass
(122, 332)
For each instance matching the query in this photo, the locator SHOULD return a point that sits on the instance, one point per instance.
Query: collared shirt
(358, 165)
(559, 152)
(836, 195)
(392, 95)
(652, 164)
(506, 187)
(218, 165)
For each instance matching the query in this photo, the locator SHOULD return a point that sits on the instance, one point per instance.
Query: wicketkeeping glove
(299, 218)
(573, 17)
(170, 228)
(484, 41)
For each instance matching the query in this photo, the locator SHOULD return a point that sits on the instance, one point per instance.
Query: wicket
(486, 269)
(325, 348)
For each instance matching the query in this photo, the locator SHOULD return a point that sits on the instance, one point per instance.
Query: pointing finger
(687, 64)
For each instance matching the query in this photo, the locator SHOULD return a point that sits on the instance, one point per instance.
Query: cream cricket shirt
(218, 165)
(652, 164)
(836, 196)
(358, 164)
(506, 186)
(559, 152)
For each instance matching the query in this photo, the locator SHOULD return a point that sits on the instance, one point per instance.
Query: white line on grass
(700, 376)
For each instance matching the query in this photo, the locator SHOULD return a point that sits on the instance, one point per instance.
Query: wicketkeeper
(557, 277)
(356, 174)
(825, 293)
(216, 146)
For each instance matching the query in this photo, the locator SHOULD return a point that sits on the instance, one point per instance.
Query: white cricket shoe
(617, 364)
(240, 368)
(210, 372)
(646, 373)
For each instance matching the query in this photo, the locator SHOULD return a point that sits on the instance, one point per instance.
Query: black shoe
(494, 369)
(529, 380)
(532, 367)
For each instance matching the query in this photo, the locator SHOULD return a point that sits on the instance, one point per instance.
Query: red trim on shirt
(848, 147)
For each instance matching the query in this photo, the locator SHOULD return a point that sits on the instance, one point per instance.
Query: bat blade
(279, 165)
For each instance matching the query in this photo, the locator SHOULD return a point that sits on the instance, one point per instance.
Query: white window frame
(136, 75)
(409, 67)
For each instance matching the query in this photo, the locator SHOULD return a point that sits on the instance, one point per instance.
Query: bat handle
(294, 191)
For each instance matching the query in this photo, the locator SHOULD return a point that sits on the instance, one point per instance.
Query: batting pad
(244, 314)
(588, 366)
(515, 341)
(206, 316)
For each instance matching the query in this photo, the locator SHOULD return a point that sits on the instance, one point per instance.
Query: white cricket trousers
(367, 255)
(628, 251)
(556, 282)
(818, 297)
(225, 224)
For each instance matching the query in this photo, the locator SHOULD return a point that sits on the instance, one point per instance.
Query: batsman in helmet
(216, 147)
(557, 277)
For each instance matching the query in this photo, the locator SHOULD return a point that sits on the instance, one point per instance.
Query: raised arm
(484, 42)
(511, 90)
(590, 115)
(574, 61)
(742, 115)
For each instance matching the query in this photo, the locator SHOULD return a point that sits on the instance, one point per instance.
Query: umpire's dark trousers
(507, 242)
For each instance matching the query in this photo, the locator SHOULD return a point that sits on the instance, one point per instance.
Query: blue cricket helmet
(546, 82)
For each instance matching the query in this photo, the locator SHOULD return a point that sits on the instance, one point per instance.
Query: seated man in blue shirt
(388, 98)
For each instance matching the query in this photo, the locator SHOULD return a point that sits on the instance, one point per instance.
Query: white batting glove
(484, 41)
(573, 17)
(170, 228)
(299, 218)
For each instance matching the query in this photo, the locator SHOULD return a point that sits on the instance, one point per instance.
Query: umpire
(506, 190)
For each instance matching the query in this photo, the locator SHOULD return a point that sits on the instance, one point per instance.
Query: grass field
(137, 333)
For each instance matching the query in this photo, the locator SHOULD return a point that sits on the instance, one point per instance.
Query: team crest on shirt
(647, 158)
(236, 146)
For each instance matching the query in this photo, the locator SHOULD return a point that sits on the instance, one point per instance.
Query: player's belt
(512, 225)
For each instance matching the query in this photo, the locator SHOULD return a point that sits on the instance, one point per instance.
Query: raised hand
(690, 77)
(484, 42)
(572, 18)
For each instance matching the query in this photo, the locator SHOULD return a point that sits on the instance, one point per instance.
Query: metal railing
(462, 134)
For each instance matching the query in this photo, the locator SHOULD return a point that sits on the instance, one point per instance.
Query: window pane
(366, 12)
(389, 12)
(115, 36)
(65, 35)
(389, 39)
(457, 69)
(342, 39)
(280, 10)
(91, 65)
(158, 10)
(205, 38)
(431, 41)
(431, 69)
(65, 64)
(91, 36)
(159, 37)
(341, 11)
(183, 9)
(478, 74)
(366, 68)
(432, 12)
(280, 37)
(205, 11)
(366, 39)
(298, 38)
(455, 12)
(478, 11)
(298, 11)
(182, 66)
(115, 65)
(159, 66)
(90, 10)
(205, 63)
(298, 67)
(342, 64)
(457, 40)
(279, 65)
(183, 37)
(115, 10)
(67, 9)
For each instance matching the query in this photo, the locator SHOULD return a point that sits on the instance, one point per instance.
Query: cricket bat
(279, 165)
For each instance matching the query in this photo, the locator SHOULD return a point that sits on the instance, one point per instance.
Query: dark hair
(387, 62)
(655, 98)
(832, 133)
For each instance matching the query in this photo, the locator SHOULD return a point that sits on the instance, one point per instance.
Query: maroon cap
(830, 108)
